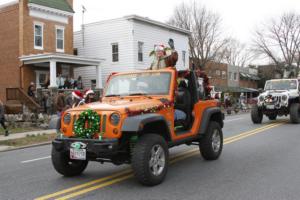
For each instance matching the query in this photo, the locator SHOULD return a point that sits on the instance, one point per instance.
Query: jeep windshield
(281, 85)
(135, 84)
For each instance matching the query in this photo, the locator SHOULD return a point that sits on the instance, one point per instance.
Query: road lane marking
(113, 181)
(249, 133)
(235, 119)
(36, 159)
(100, 180)
(124, 175)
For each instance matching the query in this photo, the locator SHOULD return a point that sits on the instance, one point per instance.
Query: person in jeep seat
(183, 104)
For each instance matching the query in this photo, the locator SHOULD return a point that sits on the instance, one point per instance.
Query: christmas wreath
(87, 124)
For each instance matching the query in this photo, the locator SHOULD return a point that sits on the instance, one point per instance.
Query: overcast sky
(240, 17)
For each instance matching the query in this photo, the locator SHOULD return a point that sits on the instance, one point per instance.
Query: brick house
(37, 42)
(217, 73)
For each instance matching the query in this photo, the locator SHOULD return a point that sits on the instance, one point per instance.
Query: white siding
(87, 74)
(127, 33)
(151, 35)
(98, 38)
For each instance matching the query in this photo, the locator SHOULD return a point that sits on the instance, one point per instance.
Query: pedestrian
(89, 96)
(30, 90)
(46, 103)
(61, 105)
(67, 84)
(77, 98)
(60, 81)
(79, 83)
(2, 118)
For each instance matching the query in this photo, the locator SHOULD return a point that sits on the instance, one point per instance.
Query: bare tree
(236, 53)
(206, 39)
(279, 40)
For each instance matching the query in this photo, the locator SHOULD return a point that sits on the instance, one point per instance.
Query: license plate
(270, 106)
(78, 154)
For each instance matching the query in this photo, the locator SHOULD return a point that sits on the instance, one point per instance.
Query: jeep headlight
(284, 97)
(115, 118)
(261, 98)
(67, 118)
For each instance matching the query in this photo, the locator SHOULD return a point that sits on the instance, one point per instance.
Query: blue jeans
(179, 115)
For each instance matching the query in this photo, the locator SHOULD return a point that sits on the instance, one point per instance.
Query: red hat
(87, 92)
(77, 94)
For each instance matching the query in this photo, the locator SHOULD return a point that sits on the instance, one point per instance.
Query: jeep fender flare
(139, 124)
(209, 114)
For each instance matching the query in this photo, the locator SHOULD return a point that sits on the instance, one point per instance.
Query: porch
(46, 71)
(40, 67)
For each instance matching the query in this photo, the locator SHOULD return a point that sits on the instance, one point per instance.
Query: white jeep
(280, 97)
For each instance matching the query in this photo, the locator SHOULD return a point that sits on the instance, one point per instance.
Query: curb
(25, 147)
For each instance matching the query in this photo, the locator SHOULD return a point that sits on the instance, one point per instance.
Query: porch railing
(18, 94)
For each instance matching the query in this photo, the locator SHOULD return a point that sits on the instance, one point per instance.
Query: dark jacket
(2, 111)
(60, 103)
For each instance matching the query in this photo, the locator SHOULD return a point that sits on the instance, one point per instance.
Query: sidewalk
(24, 134)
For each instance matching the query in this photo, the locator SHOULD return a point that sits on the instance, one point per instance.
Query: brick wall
(9, 49)
(49, 33)
(49, 39)
(217, 80)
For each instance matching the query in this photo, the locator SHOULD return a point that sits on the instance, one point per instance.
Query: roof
(64, 58)
(157, 23)
(235, 89)
(56, 4)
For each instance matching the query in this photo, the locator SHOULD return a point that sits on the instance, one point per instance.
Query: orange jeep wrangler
(136, 123)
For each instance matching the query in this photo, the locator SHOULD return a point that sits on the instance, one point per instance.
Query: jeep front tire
(295, 113)
(150, 159)
(211, 144)
(256, 115)
(65, 166)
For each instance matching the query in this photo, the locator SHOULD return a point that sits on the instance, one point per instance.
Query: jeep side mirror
(260, 90)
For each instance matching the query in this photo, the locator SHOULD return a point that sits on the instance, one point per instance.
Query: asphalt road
(258, 162)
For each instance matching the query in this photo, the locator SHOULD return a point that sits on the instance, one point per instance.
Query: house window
(183, 58)
(60, 39)
(140, 51)
(218, 72)
(38, 35)
(230, 75)
(115, 52)
(223, 74)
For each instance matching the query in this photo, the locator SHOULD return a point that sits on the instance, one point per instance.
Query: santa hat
(77, 94)
(88, 91)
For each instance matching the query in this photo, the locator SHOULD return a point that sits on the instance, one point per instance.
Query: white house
(125, 44)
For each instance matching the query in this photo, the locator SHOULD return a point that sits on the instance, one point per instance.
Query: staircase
(16, 98)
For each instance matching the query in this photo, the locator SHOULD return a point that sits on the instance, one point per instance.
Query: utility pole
(82, 25)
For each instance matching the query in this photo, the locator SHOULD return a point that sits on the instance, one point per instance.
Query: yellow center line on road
(126, 174)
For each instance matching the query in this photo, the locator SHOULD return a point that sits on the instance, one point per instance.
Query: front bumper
(277, 109)
(95, 148)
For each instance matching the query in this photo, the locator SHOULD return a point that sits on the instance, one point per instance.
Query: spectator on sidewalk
(30, 90)
(79, 83)
(2, 118)
(61, 105)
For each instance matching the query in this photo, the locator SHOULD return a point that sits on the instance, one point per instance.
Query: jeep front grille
(102, 122)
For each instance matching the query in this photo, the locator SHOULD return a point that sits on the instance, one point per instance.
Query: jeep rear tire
(211, 144)
(150, 159)
(256, 115)
(295, 113)
(65, 166)
(272, 117)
